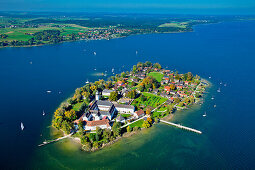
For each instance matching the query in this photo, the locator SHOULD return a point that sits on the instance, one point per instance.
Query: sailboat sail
(22, 126)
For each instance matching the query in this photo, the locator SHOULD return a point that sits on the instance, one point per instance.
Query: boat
(87, 81)
(220, 82)
(204, 115)
(48, 91)
(214, 105)
(31, 62)
(212, 98)
(136, 52)
(210, 77)
(95, 53)
(225, 85)
(218, 90)
(22, 126)
(95, 69)
(112, 69)
(43, 113)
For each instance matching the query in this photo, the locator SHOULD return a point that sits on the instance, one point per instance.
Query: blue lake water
(223, 51)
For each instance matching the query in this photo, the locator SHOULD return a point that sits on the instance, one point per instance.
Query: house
(122, 108)
(120, 83)
(135, 80)
(125, 101)
(92, 125)
(139, 113)
(167, 88)
(179, 87)
(186, 82)
(106, 92)
(155, 91)
(120, 119)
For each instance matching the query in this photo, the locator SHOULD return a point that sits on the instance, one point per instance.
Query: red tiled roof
(97, 122)
(167, 88)
(140, 112)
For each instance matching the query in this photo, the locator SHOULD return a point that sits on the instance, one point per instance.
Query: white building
(106, 92)
(92, 125)
(122, 108)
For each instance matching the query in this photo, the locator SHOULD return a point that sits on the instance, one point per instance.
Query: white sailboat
(22, 126)
(48, 91)
(87, 81)
(95, 53)
(112, 69)
(43, 113)
(214, 105)
(136, 52)
(218, 90)
(204, 115)
(212, 98)
(210, 77)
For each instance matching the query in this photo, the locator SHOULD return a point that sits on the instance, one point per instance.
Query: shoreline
(39, 45)
(125, 135)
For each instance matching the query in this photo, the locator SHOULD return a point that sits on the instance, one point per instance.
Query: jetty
(182, 127)
(55, 140)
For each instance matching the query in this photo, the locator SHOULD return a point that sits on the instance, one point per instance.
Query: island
(100, 113)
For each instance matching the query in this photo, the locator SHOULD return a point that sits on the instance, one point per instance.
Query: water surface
(224, 51)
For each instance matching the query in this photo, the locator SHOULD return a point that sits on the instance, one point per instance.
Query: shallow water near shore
(223, 51)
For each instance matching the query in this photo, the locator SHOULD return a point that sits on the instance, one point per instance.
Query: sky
(134, 6)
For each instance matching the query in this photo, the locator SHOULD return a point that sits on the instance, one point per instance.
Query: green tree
(189, 76)
(157, 65)
(146, 124)
(132, 94)
(99, 132)
(96, 145)
(169, 109)
(129, 129)
(80, 125)
(66, 127)
(113, 96)
(116, 128)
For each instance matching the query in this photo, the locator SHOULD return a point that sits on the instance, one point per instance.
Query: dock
(182, 127)
(55, 140)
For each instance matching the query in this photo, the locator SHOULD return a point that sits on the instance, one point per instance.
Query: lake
(224, 51)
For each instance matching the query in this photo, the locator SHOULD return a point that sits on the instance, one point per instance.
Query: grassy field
(152, 100)
(175, 24)
(159, 112)
(139, 123)
(77, 106)
(126, 115)
(20, 33)
(158, 76)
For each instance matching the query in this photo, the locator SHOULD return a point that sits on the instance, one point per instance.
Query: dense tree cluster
(149, 83)
(3, 36)
(53, 36)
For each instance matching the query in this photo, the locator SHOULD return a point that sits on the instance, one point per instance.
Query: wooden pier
(55, 140)
(182, 127)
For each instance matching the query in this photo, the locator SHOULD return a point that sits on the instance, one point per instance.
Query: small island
(100, 113)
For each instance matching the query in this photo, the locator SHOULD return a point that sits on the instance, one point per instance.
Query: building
(100, 108)
(106, 92)
(92, 125)
(120, 119)
(98, 95)
(122, 108)
(140, 113)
